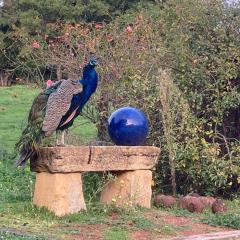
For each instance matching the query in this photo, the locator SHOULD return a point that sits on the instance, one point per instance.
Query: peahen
(55, 109)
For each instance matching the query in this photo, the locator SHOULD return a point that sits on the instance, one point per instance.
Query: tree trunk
(5, 78)
(7, 3)
(59, 72)
(103, 110)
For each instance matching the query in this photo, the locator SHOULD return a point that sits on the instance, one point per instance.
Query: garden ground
(22, 219)
(19, 219)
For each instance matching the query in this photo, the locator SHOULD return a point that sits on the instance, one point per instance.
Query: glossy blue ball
(128, 126)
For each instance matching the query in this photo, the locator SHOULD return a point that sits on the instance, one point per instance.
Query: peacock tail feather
(31, 137)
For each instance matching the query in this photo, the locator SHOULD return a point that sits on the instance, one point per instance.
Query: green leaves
(31, 20)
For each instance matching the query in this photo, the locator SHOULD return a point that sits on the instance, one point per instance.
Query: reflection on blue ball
(128, 126)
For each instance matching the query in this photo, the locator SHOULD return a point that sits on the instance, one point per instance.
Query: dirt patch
(165, 226)
(200, 228)
(114, 216)
(141, 234)
(183, 226)
(87, 232)
(177, 221)
(190, 227)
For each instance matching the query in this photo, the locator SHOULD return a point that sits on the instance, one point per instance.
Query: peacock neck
(89, 80)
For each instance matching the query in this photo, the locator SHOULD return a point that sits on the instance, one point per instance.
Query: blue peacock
(55, 110)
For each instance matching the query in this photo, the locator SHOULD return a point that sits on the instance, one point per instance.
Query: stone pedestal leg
(61, 193)
(130, 188)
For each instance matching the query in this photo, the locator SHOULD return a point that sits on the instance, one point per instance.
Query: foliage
(33, 16)
(94, 184)
(177, 61)
(207, 74)
(228, 219)
(15, 185)
(22, 19)
(225, 219)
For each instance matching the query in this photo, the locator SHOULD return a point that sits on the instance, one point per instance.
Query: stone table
(58, 184)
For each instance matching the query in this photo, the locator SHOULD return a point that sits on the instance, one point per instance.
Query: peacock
(55, 109)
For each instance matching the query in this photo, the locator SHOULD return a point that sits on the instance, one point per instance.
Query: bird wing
(58, 104)
(39, 103)
(31, 136)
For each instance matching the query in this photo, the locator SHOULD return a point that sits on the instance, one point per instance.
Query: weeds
(225, 219)
(116, 233)
(11, 236)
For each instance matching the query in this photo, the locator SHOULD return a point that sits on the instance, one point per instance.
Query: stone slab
(229, 235)
(129, 188)
(94, 158)
(60, 193)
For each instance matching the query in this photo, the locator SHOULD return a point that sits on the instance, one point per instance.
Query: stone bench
(58, 184)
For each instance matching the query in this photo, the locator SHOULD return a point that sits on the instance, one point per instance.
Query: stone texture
(194, 195)
(207, 201)
(165, 201)
(129, 188)
(60, 193)
(95, 158)
(192, 204)
(219, 206)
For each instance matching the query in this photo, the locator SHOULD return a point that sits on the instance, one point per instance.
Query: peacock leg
(57, 138)
(60, 135)
(60, 142)
(62, 138)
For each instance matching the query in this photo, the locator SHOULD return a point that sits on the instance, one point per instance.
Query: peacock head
(93, 62)
(89, 67)
(90, 76)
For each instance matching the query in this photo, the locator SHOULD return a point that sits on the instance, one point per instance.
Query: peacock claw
(61, 145)
(60, 142)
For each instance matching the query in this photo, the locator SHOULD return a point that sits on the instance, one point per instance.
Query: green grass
(143, 223)
(5, 235)
(23, 216)
(116, 233)
(15, 103)
(229, 219)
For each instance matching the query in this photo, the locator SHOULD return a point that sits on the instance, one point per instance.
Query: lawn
(19, 219)
(14, 105)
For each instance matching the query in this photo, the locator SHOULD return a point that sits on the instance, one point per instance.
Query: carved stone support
(60, 193)
(129, 188)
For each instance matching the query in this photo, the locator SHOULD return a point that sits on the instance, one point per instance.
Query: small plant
(224, 219)
(18, 236)
(143, 223)
(116, 233)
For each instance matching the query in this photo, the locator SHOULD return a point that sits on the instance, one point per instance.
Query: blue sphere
(128, 126)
